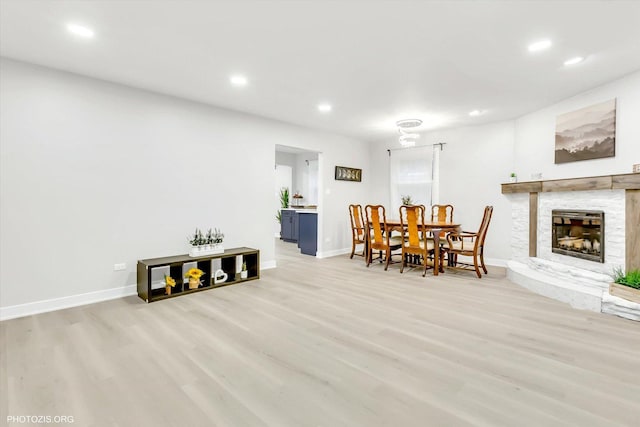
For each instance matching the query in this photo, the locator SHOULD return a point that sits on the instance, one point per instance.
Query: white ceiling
(374, 61)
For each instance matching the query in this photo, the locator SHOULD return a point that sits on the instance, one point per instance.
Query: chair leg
(353, 249)
(426, 264)
(475, 265)
(484, 267)
(403, 262)
(388, 258)
(368, 257)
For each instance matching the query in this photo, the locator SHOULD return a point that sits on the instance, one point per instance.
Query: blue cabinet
(308, 237)
(289, 225)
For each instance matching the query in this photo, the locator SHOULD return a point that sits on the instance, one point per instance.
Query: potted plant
(208, 244)
(196, 241)
(244, 273)
(406, 200)
(194, 275)
(626, 286)
(513, 177)
(169, 283)
(284, 197)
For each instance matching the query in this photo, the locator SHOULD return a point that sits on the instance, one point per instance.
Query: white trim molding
(37, 307)
(335, 252)
(266, 265)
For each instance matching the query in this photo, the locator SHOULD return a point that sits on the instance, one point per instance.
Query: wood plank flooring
(327, 343)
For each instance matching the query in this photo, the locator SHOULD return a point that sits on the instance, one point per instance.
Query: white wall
(477, 159)
(94, 173)
(473, 164)
(535, 134)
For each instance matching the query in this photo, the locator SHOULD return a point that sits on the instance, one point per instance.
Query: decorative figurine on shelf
(244, 273)
(220, 276)
(208, 244)
(169, 283)
(194, 275)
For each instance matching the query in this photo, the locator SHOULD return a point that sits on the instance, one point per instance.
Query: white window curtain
(411, 174)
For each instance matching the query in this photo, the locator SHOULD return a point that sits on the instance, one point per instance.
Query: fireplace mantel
(581, 283)
(628, 181)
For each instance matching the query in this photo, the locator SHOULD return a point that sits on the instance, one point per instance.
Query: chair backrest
(484, 225)
(442, 213)
(412, 220)
(357, 224)
(376, 219)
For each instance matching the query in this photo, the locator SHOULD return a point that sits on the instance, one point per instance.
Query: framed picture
(348, 174)
(588, 133)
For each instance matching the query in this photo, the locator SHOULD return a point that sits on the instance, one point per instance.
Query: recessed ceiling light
(80, 30)
(540, 45)
(475, 113)
(324, 108)
(239, 80)
(574, 61)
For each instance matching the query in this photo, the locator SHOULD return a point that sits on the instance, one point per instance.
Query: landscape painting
(588, 133)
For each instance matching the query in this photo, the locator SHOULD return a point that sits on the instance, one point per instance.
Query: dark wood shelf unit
(175, 264)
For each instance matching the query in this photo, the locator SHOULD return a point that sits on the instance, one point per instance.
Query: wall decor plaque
(348, 174)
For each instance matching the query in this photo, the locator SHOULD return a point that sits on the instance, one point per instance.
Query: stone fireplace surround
(582, 283)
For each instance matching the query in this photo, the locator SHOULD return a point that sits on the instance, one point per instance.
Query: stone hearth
(579, 282)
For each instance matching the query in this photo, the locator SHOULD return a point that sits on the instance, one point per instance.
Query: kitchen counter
(301, 210)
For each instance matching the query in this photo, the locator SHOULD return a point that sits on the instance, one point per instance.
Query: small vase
(168, 288)
(193, 283)
(244, 274)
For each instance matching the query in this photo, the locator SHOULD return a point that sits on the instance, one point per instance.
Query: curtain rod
(441, 144)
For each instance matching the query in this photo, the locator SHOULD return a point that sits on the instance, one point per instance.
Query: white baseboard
(335, 252)
(21, 310)
(266, 265)
(37, 307)
(496, 262)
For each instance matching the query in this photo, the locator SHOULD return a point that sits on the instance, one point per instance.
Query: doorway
(298, 170)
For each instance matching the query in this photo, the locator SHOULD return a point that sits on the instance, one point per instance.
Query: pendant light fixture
(405, 127)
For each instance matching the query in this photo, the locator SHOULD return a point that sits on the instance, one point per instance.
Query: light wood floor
(327, 343)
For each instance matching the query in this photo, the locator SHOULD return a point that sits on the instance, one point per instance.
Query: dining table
(435, 227)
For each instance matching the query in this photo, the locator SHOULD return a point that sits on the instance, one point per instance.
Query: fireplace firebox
(578, 233)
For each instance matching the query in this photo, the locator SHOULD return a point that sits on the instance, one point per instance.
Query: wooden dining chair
(358, 229)
(469, 244)
(379, 236)
(416, 247)
(442, 213)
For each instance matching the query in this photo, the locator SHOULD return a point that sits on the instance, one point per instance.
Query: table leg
(436, 251)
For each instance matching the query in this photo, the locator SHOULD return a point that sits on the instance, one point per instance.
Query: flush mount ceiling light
(324, 108)
(405, 126)
(475, 113)
(239, 80)
(539, 45)
(574, 61)
(80, 30)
